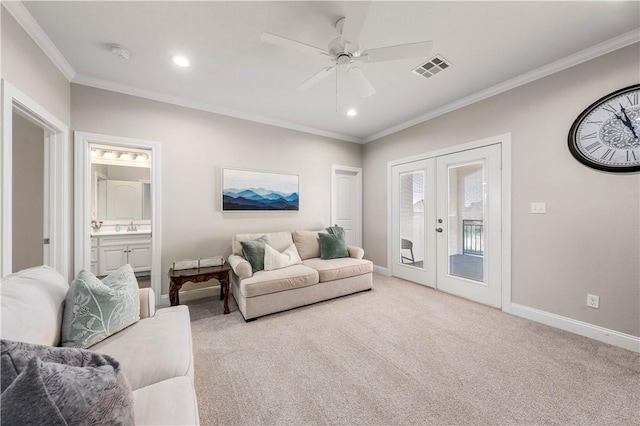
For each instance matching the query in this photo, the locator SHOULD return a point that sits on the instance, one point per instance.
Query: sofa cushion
(307, 243)
(265, 282)
(153, 349)
(273, 259)
(32, 305)
(277, 240)
(95, 309)
(335, 269)
(50, 385)
(170, 402)
(332, 246)
(253, 251)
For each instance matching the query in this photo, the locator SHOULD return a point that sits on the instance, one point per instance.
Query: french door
(446, 216)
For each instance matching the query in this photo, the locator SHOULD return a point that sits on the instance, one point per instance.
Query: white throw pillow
(273, 259)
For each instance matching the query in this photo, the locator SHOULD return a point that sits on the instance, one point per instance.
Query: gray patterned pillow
(62, 386)
(94, 309)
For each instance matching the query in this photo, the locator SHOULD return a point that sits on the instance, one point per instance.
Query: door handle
(438, 229)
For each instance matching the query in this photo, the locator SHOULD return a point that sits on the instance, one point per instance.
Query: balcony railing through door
(473, 237)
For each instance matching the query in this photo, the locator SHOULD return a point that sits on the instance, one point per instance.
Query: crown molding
(177, 100)
(35, 31)
(592, 52)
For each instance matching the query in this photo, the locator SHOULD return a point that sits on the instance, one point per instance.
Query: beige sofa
(155, 353)
(314, 280)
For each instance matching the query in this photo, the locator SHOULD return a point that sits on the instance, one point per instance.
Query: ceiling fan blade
(292, 44)
(363, 86)
(401, 51)
(357, 12)
(314, 79)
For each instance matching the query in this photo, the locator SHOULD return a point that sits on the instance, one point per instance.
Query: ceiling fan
(344, 51)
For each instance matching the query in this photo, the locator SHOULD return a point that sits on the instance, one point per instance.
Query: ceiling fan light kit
(344, 51)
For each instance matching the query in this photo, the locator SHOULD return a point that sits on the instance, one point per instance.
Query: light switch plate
(538, 207)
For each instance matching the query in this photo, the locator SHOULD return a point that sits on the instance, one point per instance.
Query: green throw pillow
(332, 246)
(253, 251)
(94, 309)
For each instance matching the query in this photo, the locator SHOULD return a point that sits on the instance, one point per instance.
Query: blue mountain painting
(258, 199)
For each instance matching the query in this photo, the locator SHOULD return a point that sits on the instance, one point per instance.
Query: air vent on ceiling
(432, 67)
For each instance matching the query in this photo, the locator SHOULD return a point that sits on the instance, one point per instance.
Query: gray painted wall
(588, 242)
(27, 68)
(195, 146)
(28, 194)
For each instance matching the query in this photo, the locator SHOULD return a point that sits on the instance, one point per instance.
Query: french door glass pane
(411, 242)
(466, 221)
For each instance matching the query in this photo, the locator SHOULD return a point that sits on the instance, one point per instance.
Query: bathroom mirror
(121, 184)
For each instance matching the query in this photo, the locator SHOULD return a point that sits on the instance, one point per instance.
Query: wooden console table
(196, 275)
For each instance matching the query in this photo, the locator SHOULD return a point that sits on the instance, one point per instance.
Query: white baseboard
(196, 293)
(602, 334)
(381, 270)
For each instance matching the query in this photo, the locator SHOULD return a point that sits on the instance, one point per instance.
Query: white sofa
(155, 353)
(314, 280)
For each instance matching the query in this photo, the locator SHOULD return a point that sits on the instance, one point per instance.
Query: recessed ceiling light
(352, 113)
(180, 61)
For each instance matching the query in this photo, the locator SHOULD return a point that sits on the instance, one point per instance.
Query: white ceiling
(233, 72)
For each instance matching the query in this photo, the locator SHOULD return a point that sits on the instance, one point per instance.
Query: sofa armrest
(355, 252)
(241, 267)
(147, 303)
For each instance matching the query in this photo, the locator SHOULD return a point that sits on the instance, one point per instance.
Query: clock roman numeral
(633, 98)
(593, 147)
(589, 136)
(593, 122)
(631, 155)
(608, 155)
(610, 109)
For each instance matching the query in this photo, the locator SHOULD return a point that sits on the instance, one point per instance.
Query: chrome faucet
(132, 227)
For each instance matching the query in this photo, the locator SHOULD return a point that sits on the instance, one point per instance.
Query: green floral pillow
(95, 309)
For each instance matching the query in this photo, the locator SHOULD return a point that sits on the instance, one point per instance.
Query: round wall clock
(606, 135)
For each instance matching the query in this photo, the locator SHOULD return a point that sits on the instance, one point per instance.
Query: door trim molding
(82, 197)
(56, 140)
(358, 171)
(504, 140)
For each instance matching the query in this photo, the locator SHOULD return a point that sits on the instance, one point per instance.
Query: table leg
(174, 288)
(224, 283)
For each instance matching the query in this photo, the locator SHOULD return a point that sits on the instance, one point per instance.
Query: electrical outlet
(593, 301)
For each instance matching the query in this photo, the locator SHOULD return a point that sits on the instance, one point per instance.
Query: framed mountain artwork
(248, 190)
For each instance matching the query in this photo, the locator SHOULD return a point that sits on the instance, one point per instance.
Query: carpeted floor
(404, 354)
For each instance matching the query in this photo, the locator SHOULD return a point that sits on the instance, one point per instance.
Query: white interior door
(446, 223)
(468, 237)
(346, 204)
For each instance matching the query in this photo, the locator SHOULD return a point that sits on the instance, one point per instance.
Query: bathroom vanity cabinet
(113, 251)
